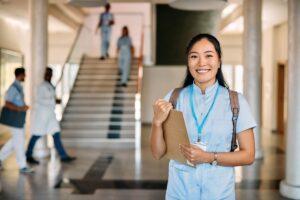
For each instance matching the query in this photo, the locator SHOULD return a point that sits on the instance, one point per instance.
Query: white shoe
(26, 170)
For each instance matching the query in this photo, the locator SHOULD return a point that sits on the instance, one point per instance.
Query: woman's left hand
(194, 154)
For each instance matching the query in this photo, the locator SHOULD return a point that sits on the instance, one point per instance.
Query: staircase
(100, 112)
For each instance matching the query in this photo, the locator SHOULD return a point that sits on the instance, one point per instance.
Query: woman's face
(203, 62)
(124, 32)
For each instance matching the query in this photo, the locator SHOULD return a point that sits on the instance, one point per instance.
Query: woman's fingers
(185, 150)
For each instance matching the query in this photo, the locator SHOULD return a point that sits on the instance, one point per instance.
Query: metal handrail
(140, 66)
(69, 55)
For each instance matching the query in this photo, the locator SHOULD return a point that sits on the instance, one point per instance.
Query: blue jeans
(57, 143)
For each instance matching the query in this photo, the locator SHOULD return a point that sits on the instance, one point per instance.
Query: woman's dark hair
(125, 28)
(189, 78)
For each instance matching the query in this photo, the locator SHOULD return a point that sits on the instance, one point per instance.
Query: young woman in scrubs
(125, 50)
(205, 104)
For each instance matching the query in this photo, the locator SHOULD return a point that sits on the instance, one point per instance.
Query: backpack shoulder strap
(235, 108)
(174, 96)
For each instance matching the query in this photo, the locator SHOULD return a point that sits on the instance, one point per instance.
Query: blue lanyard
(201, 125)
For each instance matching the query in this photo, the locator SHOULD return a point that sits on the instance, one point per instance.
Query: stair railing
(70, 68)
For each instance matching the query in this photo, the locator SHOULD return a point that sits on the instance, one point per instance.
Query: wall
(268, 65)
(232, 47)
(174, 29)
(59, 46)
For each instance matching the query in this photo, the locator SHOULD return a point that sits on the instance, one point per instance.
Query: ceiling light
(198, 4)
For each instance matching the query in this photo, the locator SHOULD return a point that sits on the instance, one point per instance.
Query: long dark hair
(189, 78)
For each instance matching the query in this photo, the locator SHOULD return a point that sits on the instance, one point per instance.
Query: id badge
(200, 145)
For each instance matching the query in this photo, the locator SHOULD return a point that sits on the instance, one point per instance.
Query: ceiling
(274, 12)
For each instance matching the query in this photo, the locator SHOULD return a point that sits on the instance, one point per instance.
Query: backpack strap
(174, 96)
(235, 108)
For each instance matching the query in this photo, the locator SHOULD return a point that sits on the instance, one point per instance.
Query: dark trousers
(57, 143)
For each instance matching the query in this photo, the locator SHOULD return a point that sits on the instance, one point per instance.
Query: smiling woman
(205, 102)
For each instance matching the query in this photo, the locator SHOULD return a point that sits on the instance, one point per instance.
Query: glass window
(9, 61)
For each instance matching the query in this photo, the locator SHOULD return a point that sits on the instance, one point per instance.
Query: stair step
(67, 111)
(98, 116)
(97, 108)
(99, 127)
(100, 103)
(88, 65)
(100, 136)
(103, 95)
(118, 143)
(103, 83)
(103, 89)
(69, 132)
(92, 124)
(103, 77)
(97, 70)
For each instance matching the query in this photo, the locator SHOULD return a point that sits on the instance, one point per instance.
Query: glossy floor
(129, 174)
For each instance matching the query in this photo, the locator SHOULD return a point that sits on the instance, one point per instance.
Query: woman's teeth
(201, 71)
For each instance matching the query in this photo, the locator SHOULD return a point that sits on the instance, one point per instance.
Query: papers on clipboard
(175, 133)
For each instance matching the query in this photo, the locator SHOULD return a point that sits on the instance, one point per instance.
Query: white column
(290, 186)
(252, 64)
(39, 47)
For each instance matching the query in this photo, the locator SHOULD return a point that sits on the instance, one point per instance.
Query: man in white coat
(44, 120)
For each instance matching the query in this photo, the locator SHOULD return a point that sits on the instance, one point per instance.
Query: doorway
(280, 97)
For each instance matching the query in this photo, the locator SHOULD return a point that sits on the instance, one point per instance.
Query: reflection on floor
(127, 174)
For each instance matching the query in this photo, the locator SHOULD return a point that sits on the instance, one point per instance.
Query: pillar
(290, 186)
(252, 64)
(39, 47)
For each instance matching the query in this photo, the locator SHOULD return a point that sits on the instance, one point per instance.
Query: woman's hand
(161, 110)
(195, 155)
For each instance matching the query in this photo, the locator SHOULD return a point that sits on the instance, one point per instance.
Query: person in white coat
(44, 119)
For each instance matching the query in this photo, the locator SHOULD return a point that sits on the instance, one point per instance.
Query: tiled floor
(126, 174)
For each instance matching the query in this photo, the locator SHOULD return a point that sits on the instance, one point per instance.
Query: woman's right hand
(161, 110)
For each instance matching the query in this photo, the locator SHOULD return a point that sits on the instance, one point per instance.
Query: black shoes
(101, 58)
(68, 159)
(124, 85)
(32, 161)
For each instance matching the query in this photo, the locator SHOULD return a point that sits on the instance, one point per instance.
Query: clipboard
(175, 133)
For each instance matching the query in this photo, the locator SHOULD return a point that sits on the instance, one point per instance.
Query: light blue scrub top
(15, 94)
(106, 17)
(124, 44)
(207, 182)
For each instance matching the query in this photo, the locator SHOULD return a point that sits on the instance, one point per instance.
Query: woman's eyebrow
(193, 52)
(208, 51)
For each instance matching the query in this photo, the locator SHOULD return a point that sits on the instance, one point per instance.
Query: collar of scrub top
(18, 83)
(19, 86)
(214, 89)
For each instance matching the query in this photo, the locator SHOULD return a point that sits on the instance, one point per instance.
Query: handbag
(11, 117)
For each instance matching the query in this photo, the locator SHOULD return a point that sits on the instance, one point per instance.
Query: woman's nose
(201, 61)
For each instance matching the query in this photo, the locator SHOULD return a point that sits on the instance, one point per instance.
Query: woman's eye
(209, 56)
(193, 56)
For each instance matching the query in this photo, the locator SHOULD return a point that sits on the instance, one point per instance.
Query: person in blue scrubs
(205, 104)
(125, 52)
(105, 23)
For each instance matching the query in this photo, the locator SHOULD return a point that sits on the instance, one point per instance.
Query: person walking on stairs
(105, 23)
(125, 52)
